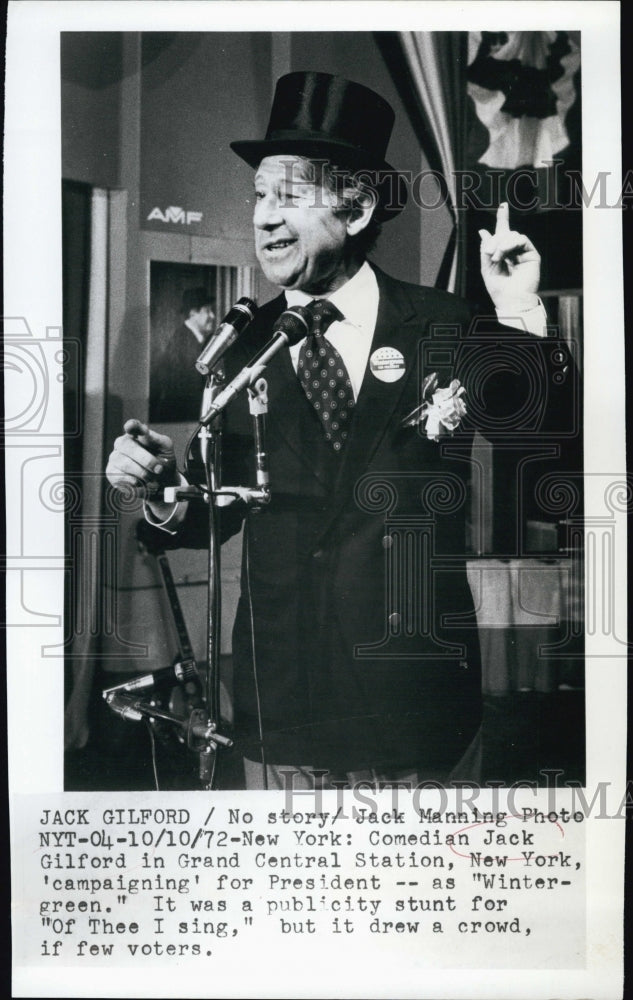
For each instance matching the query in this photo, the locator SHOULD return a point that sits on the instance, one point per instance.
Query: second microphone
(291, 327)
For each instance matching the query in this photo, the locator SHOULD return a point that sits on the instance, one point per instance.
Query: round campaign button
(387, 364)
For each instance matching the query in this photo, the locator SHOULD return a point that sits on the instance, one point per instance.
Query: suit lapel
(290, 412)
(397, 326)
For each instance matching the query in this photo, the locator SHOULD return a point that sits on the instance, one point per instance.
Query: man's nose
(267, 213)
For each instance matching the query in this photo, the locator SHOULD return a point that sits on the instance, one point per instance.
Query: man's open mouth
(279, 245)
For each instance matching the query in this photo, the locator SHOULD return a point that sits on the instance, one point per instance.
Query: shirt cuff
(531, 320)
(167, 517)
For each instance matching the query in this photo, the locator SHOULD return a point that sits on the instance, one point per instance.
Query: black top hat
(322, 116)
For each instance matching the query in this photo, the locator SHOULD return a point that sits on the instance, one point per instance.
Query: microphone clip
(258, 398)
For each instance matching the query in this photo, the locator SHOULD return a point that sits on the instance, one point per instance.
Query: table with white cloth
(529, 619)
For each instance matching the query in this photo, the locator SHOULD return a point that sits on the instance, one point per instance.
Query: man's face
(299, 238)
(203, 319)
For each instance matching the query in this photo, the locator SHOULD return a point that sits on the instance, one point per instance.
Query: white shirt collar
(199, 336)
(357, 298)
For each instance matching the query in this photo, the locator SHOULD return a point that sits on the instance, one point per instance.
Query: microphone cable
(188, 456)
(260, 724)
(152, 739)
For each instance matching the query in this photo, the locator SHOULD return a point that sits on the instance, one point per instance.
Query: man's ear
(361, 215)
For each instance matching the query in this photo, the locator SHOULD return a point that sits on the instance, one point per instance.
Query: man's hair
(353, 191)
(193, 299)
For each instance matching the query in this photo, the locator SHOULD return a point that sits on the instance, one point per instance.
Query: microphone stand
(200, 727)
(211, 450)
(210, 436)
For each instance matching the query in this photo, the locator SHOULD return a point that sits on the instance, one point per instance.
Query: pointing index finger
(503, 219)
(134, 428)
(141, 433)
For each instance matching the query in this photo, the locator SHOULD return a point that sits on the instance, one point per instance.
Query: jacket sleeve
(193, 531)
(524, 396)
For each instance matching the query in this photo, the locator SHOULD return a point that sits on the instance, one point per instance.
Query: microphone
(124, 707)
(183, 671)
(233, 324)
(291, 327)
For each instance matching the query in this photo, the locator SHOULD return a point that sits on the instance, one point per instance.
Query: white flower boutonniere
(442, 409)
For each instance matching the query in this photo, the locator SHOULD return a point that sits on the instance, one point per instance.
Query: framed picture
(182, 319)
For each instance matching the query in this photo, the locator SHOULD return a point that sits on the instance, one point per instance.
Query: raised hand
(510, 265)
(142, 459)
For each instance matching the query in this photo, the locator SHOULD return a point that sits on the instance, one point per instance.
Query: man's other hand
(143, 460)
(510, 266)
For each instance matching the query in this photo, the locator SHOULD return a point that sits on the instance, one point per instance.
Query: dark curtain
(429, 71)
(76, 199)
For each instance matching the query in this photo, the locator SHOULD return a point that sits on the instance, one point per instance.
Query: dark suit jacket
(366, 650)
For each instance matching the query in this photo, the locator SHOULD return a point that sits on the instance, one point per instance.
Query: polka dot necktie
(323, 374)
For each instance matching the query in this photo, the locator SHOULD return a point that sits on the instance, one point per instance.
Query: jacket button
(394, 619)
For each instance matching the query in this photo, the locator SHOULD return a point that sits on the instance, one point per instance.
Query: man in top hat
(176, 385)
(355, 645)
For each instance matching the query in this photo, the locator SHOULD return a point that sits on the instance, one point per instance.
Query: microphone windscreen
(294, 324)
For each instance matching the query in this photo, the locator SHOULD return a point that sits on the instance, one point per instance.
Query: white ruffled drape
(525, 140)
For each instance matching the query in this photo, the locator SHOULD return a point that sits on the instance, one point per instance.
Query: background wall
(92, 73)
(197, 92)
(152, 115)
